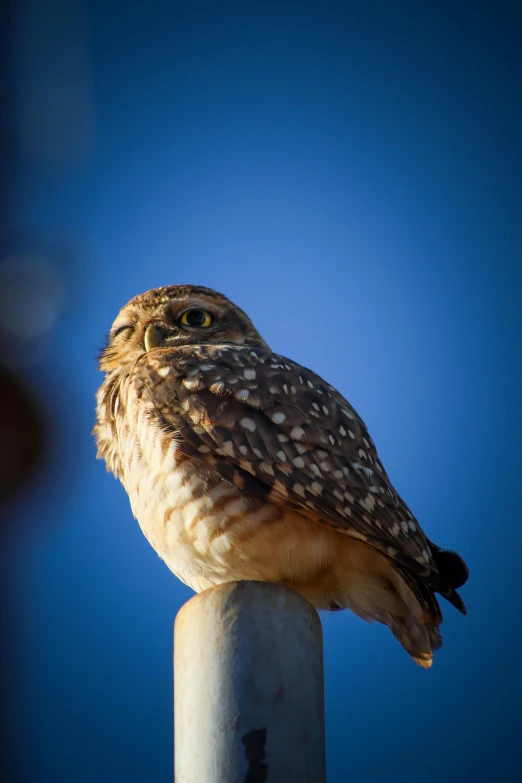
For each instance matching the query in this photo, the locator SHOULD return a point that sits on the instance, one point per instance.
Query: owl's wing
(279, 431)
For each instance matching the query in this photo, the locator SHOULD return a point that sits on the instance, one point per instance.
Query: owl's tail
(388, 591)
(416, 624)
(416, 621)
(397, 593)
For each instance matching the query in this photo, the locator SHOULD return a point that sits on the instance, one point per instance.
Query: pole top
(268, 597)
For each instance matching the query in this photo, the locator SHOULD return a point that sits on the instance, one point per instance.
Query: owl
(241, 464)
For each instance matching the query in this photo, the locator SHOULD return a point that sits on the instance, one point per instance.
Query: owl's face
(174, 316)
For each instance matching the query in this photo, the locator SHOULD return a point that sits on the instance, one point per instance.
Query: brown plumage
(241, 464)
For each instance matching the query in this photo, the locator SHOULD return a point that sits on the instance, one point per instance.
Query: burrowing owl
(241, 464)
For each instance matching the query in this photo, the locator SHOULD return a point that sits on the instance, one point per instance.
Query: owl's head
(173, 316)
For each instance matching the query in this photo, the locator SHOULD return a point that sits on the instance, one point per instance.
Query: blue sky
(350, 175)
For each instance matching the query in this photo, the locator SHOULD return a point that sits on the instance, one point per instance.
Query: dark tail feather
(453, 573)
(450, 566)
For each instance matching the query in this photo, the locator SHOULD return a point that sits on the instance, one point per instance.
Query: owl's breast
(205, 528)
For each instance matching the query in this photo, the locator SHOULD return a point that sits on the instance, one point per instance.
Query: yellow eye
(198, 319)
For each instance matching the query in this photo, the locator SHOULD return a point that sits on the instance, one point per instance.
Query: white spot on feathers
(267, 468)
(368, 503)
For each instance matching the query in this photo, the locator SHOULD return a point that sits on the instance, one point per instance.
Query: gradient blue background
(350, 175)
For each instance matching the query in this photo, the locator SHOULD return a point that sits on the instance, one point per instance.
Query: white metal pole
(248, 687)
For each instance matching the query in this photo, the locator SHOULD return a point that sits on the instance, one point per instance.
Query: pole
(248, 687)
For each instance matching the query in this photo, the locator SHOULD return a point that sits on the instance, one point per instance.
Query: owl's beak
(155, 337)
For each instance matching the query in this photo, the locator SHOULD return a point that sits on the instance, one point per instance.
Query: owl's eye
(198, 319)
(125, 328)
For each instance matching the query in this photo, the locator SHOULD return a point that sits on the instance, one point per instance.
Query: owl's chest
(200, 524)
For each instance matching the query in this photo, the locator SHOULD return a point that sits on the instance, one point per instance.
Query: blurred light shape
(32, 294)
